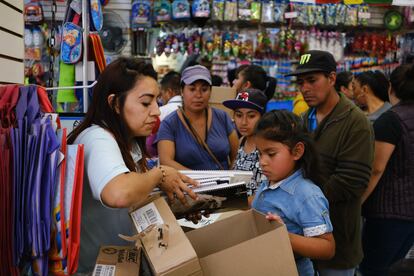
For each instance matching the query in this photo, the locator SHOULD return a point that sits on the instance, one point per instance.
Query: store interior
(64, 51)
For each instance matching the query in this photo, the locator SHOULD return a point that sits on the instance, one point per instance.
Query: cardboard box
(243, 244)
(118, 261)
(219, 94)
(179, 258)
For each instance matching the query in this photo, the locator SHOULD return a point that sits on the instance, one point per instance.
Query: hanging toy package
(244, 10)
(180, 10)
(71, 46)
(96, 16)
(201, 9)
(140, 14)
(351, 16)
(268, 11)
(218, 10)
(255, 9)
(162, 11)
(230, 11)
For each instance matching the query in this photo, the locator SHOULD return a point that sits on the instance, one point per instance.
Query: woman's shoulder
(219, 112)
(93, 132)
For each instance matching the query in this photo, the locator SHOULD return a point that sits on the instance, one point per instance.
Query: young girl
(248, 106)
(290, 196)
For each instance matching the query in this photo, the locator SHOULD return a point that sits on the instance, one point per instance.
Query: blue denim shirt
(301, 205)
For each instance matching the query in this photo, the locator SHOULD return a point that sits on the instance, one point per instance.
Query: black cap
(248, 98)
(315, 61)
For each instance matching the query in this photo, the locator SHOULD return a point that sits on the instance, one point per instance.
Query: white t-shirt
(100, 224)
(170, 107)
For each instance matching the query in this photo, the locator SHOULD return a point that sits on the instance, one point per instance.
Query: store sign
(403, 2)
(290, 15)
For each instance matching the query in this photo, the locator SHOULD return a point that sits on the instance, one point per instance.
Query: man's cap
(315, 61)
(248, 98)
(195, 73)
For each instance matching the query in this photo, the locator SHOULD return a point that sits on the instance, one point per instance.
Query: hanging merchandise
(268, 11)
(255, 11)
(96, 17)
(162, 11)
(280, 10)
(218, 10)
(230, 10)
(180, 10)
(201, 9)
(33, 13)
(97, 51)
(71, 45)
(244, 10)
(140, 14)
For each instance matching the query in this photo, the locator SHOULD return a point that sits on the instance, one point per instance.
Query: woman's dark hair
(118, 78)
(402, 82)
(343, 79)
(287, 128)
(377, 81)
(258, 78)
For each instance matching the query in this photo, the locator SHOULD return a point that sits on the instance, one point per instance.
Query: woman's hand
(174, 182)
(273, 217)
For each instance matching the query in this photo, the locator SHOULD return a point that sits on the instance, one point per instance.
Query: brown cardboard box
(179, 258)
(118, 261)
(244, 244)
(220, 94)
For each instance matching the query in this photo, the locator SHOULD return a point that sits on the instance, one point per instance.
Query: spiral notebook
(222, 190)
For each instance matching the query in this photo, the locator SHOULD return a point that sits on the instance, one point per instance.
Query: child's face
(276, 159)
(246, 119)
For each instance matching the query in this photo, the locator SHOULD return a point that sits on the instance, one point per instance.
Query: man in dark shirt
(344, 139)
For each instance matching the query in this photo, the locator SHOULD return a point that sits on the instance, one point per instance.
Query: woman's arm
(234, 146)
(320, 247)
(166, 153)
(131, 188)
(383, 151)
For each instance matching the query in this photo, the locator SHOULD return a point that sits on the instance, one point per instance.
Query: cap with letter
(315, 61)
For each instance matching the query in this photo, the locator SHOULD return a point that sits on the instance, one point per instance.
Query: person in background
(371, 93)
(290, 194)
(343, 84)
(122, 112)
(249, 105)
(253, 76)
(170, 93)
(216, 80)
(344, 138)
(388, 202)
(197, 137)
